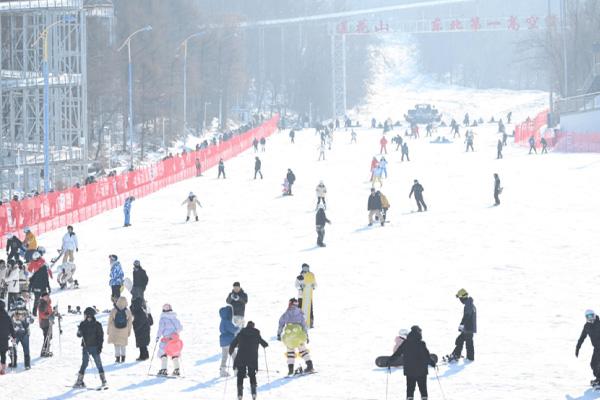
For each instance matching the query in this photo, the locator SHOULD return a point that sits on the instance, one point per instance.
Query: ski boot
(187, 219)
(196, 218)
(290, 369)
(176, 372)
(103, 380)
(79, 384)
(223, 373)
(451, 358)
(309, 367)
(162, 372)
(595, 382)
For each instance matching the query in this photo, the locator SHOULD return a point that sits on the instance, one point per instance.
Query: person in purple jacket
(292, 318)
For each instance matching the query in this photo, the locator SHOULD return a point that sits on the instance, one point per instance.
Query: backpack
(121, 319)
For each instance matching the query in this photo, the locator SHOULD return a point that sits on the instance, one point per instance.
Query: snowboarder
(255, 145)
(383, 142)
(69, 245)
(418, 190)
(246, 360)
(116, 277)
(321, 151)
(92, 338)
(46, 320)
(292, 136)
(405, 151)
(385, 206)
(238, 300)
(292, 325)
(142, 321)
(532, 145)
(320, 221)
(13, 244)
(39, 283)
(416, 359)
(257, 166)
(140, 281)
(263, 143)
(192, 202)
(6, 331)
(306, 283)
(198, 167)
(120, 322)
(499, 146)
(127, 210)
(591, 329)
(21, 321)
(30, 243)
(291, 178)
(321, 193)
(222, 167)
(374, 207)
(469, 141)
(228, 331)
(170, 344)
(467, 328)
(544, 143)
(497, 190)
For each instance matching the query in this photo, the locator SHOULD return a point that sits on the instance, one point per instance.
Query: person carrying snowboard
(140, 281)
(228, 331)
(321, 191)
(222, 167)
(416, 358)
(306, 283)
(418, 190)
(142, 321)
(92, 338)
(127, 210)
(238, 300)
(192, 202)
(292, 325)
(591, 329)
(120, 322)
(170, 344)
(21, 321)
(467, 328)
(246, 360)
(6, 331)
(69, 245)
(116, 277)
(320, 221)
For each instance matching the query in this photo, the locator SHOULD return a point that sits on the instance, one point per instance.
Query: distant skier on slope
(192, 202)
(591, 329)
(127, 210)
(497, 190)
(320, 221)
(321, 191)
(418, 190)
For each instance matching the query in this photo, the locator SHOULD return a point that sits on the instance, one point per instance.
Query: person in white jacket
(191, 202)
(321, 193)
(69, 245)
(12, 279)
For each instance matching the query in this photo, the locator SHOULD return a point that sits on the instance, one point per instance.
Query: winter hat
(167, 307)
(292, 301)
(26, 229)
(89, 312)
(70, 227)
(305, 267)
(137, 263)
(300, 277)
(250, 324)
(236, 284)
(415, 328)
(113, 257)
(462, 294)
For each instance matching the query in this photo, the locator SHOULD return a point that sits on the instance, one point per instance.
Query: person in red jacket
(46, 319)
(383, 143)
(374, 164)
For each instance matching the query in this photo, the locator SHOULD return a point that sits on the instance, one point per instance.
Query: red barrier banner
(531, 127)
(55, 210)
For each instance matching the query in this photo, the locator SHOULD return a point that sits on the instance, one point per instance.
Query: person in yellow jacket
(30, 244)
(385, 205)
(306, 283)
(191, 202)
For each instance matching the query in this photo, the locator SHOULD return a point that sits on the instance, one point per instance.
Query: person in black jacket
(246, 360)
(467, 328)
(418, 190)
(140, 281)
(6, 331)
(374, 206)
(237, 299)
(416, 359)
(38, 284)
(544, 143)
(497, 190)
(222, 168)
(499, 146)
(92, 338)
(13, 244)
(141, 327)
(291, 178)
(257, 166)
(405, 151)
(591, 329)
(320, 221)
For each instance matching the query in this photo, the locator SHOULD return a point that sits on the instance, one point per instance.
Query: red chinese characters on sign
(532, 22)
(382, 27)
(513, 23)
(456, 25)
(436, 25)
(362, 26)
(475, 24)
(342, 28)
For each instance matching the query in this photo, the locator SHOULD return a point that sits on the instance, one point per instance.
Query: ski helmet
(167, 307)
(36, 255)
(590, 315)
(462, 294)
(403, 333)
(305, 267)
(41, 250)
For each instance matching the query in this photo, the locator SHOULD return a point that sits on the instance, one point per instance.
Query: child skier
(92, 337)
(228, 332)
(116, 277)
(120, 322)
(170, 344)
(292, 325)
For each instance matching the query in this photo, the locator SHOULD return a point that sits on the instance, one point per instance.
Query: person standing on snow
(292, 319)
(238, 300)
(92, 338)
(544, 143)
(321, 193)
(263, 143)
(6, 331)
(352, 137)
(255, 145)
(13, 283)
(46, 320)
(222, 168)
(198, 167)
(418, 190)
(142, 321)
(13, 244)
(591, 329)
(405, 151)
(228, 331)
(467, 328)
(39, 282)
(499, 146)
(170, 344)
(497, 190)
(257, 166)
(385, 206)
(292, 135)
(291, 178)
(322, 151)
(116, 277)
(320, 221)
(246, 360)
(191, 202)
(30, 243)
(306, 281)
(127, 210)
(383, 142)
(374, 206)
(374, 164)
(383, 165)
(21, 321)
(69, 245)
(532, 145)
(120, 322)
(140, 281)
(469, 141)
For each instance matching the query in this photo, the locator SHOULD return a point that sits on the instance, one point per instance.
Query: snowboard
(307, 297)
(300, 372)
(382, 361)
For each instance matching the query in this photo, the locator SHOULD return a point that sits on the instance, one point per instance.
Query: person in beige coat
(191, 202)
(119, 327)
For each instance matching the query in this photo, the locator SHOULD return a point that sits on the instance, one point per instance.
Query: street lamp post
(130, 84)
(184, 44)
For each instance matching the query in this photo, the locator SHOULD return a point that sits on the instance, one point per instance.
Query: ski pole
(267, 367)
(440, 383)
(152, 358)
(226, 378)
(387, 381)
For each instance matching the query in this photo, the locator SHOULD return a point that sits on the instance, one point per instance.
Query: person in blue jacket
(127, 210)
(116, 277)
(228, 331)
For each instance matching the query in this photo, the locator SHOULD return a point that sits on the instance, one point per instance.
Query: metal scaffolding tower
(22, 23)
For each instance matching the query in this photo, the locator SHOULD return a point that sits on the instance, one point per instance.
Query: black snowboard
(382, 361)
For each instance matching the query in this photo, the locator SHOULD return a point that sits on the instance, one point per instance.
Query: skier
(428, 130)
(170, 344)
(321, 151)
(467, 328)
(228, 331)
(374, 164)
(405, 152)
(30, 244)
(46, 320)
(295, 336)
(377, 174)
(321, 192)
(416, 359)
(352, 136)
(38, 284)
(120, 322)
(306, 283)
(257, 165)
(329, 142)
(6, 331)
(263, 143)
(246, 360)
(69, 245)
(469, 141)
(198, 167)
(385, 206)
(374, 207)
(238, 300)
(466, 120)
(127, 210)
(291, 178)
(13, 244)
(292, 136)
(222, 167)
(544, 146)
(383, 142)
(509, 117)
(191, 202)
(499, 146)
(320, 221)
(116, 277)
(383, 165)
(591, 329)
(92, 337)
(255, 145)
(399, 142)
(418, 190)
(140, 281)
(532, 144)
(497, 190)
(21, 321)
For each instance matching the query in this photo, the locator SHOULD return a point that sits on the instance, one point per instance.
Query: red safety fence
(55, 210)
(577, 142)
(531, 127)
